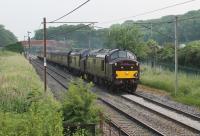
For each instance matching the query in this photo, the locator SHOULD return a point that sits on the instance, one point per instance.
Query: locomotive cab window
(122, 54)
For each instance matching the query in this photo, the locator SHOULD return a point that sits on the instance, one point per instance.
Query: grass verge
(24, 107)
(188, 85)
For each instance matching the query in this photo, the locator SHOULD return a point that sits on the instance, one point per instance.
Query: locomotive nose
(126, 69)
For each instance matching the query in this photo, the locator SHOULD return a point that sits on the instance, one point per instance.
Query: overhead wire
(138, 23)
(70, 11)
(149, 12)
(157, 31)
(142, 24)
(189, 18)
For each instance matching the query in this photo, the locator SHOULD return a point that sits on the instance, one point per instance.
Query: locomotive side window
(130, 55)
(114, 55)
(102, 65)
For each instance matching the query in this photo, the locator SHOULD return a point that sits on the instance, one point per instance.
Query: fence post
(109, 127)
(93, 126)
(101, 122)
(119, 131)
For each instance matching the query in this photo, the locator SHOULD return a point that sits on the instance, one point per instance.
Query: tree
(6, 37)
(127, 36)
(124, 36)
(79, 34)
(166, 54)
(190, 55)
(152, 51)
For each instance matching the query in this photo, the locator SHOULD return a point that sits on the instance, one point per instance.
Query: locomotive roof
(59, 52)
(101, 52)
(80, 52)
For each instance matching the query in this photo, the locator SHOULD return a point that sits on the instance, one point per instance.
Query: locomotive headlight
(122, 67)
(135, 74)
(131, 67)
(115, 64)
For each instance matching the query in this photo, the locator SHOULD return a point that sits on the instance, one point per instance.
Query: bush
(79, 104)
(16, 47)
(79, 108)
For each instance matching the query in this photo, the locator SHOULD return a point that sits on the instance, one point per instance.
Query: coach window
(70, 59)
(75, 60)
(94, 61)
(102, 65)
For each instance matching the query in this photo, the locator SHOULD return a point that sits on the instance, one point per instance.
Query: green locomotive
(113, 67)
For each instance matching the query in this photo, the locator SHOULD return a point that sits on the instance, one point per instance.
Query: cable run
(70, 12)
(189, 18)
(149, 12)
(157, 31)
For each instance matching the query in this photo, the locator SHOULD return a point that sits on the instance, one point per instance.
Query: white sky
(19, 16)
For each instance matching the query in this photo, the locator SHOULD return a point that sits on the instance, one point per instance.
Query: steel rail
(132, 118)
(187, 114)
(165, 116)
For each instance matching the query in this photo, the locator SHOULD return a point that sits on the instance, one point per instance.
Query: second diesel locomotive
(113, 67)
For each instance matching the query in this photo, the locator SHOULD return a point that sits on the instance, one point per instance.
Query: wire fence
(171, 67)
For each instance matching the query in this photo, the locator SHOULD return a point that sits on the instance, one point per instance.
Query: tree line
(6, 37)
(156, 45)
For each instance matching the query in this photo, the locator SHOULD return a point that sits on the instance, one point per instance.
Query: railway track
(177, 116)
(187, 114)
(127, 112)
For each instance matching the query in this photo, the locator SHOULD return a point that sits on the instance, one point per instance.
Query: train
(114, 68)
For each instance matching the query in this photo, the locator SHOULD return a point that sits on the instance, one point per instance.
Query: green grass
(188, 85)
(24, 107)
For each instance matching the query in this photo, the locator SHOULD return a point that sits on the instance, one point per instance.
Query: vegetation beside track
(188, 85)
(79, 107)
(26, 110)
(16, 47)
(24, 107)
(6, 36)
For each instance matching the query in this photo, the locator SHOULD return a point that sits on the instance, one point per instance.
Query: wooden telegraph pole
(176, 55)
(29, 46)
(45, 63)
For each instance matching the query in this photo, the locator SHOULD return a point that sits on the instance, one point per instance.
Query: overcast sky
(19, 16)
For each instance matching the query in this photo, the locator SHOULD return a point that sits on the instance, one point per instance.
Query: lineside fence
(168, 66)
(105, 127)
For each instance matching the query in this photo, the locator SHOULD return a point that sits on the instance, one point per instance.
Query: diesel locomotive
(115, 68)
